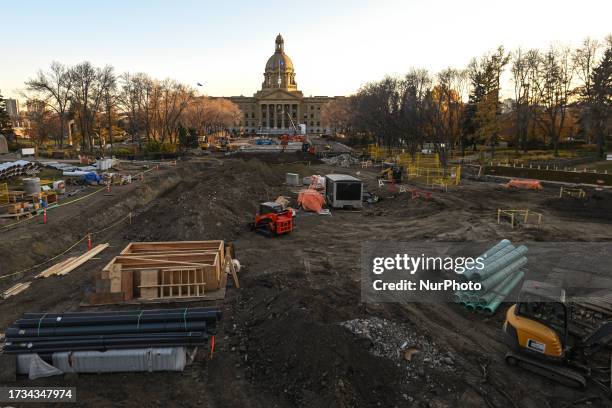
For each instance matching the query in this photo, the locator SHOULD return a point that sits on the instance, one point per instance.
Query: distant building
(12, 108)
(35, 106)
(279, 107)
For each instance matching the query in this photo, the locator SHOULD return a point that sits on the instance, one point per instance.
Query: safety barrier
(519, 215)
(571, 192)
(441, 176)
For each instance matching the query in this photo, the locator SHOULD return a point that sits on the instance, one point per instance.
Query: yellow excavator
(391, 172)
(544, 339)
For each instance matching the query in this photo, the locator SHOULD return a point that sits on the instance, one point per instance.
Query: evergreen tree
(6, 126)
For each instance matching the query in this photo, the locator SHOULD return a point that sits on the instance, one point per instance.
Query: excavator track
(561, 375)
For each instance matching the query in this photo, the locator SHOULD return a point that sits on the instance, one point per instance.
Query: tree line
(103, 105)
(560, 92)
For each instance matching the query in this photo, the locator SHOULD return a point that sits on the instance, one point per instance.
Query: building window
(318, 123)
(311, 123)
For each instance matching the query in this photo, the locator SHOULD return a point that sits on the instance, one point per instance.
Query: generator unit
(342, 190)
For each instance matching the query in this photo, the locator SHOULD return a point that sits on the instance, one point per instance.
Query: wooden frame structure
(162, 270)
(519, 215)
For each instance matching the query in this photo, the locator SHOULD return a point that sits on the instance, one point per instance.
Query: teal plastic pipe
(475, 274)
(500, 264)
(467, 274)
(488, 296)
(494, 280)
(471, 306)
(492, 307)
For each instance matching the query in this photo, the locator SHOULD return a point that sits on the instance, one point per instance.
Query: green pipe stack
(499, 276)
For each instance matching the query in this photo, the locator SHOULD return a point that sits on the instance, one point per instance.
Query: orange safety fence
(524, 184)
(311, 200)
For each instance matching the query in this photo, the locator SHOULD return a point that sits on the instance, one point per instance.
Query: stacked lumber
(161, 270)
(15, 289)
(70, 264)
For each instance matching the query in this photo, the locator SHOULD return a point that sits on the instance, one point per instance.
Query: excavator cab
(536, 330)
(544, 303)
(538, 323)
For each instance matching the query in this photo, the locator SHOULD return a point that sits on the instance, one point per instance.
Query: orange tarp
(311, 200)
(524, 184)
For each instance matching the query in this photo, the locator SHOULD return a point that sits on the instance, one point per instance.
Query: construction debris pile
(18, 168)
(342, 160)
(399, 342)
(499, 276)
(35, 198)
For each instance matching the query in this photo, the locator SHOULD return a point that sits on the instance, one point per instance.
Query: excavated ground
(296, 333)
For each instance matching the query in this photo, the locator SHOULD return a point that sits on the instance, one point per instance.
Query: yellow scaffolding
(440, 177)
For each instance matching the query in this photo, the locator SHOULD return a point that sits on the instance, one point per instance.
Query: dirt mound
(597, 205)
(211, 202)
(279, 158)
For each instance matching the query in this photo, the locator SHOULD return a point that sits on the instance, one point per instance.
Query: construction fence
(422, 167)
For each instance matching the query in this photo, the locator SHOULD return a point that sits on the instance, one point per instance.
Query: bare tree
(585, 59)
(556, 78)
(109, 97)
(520, 77)
(54, 87)
(42, 123)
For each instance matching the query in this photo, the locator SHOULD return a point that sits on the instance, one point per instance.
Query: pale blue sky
(335, 45)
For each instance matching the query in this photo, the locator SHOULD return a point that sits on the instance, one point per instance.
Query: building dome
(279, 71)
(279, 61)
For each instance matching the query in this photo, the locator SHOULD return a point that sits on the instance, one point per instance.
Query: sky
(335, 45)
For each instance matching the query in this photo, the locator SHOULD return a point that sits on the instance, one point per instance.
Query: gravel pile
(399, 343)
(343, 160)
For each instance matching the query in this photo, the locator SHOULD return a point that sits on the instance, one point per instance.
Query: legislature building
(279, 107)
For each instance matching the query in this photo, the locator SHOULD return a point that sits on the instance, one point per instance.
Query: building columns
(283, 116)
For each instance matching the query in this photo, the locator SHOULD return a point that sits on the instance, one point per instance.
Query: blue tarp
(92, 177)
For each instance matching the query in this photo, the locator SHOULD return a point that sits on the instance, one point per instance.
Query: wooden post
(228, 259)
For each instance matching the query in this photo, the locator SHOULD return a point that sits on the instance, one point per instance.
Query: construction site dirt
(296, 332)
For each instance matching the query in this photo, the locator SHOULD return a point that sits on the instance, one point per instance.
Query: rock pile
(343, 160)
(399, 343)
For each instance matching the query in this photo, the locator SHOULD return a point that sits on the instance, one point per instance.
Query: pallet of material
(161, 270)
